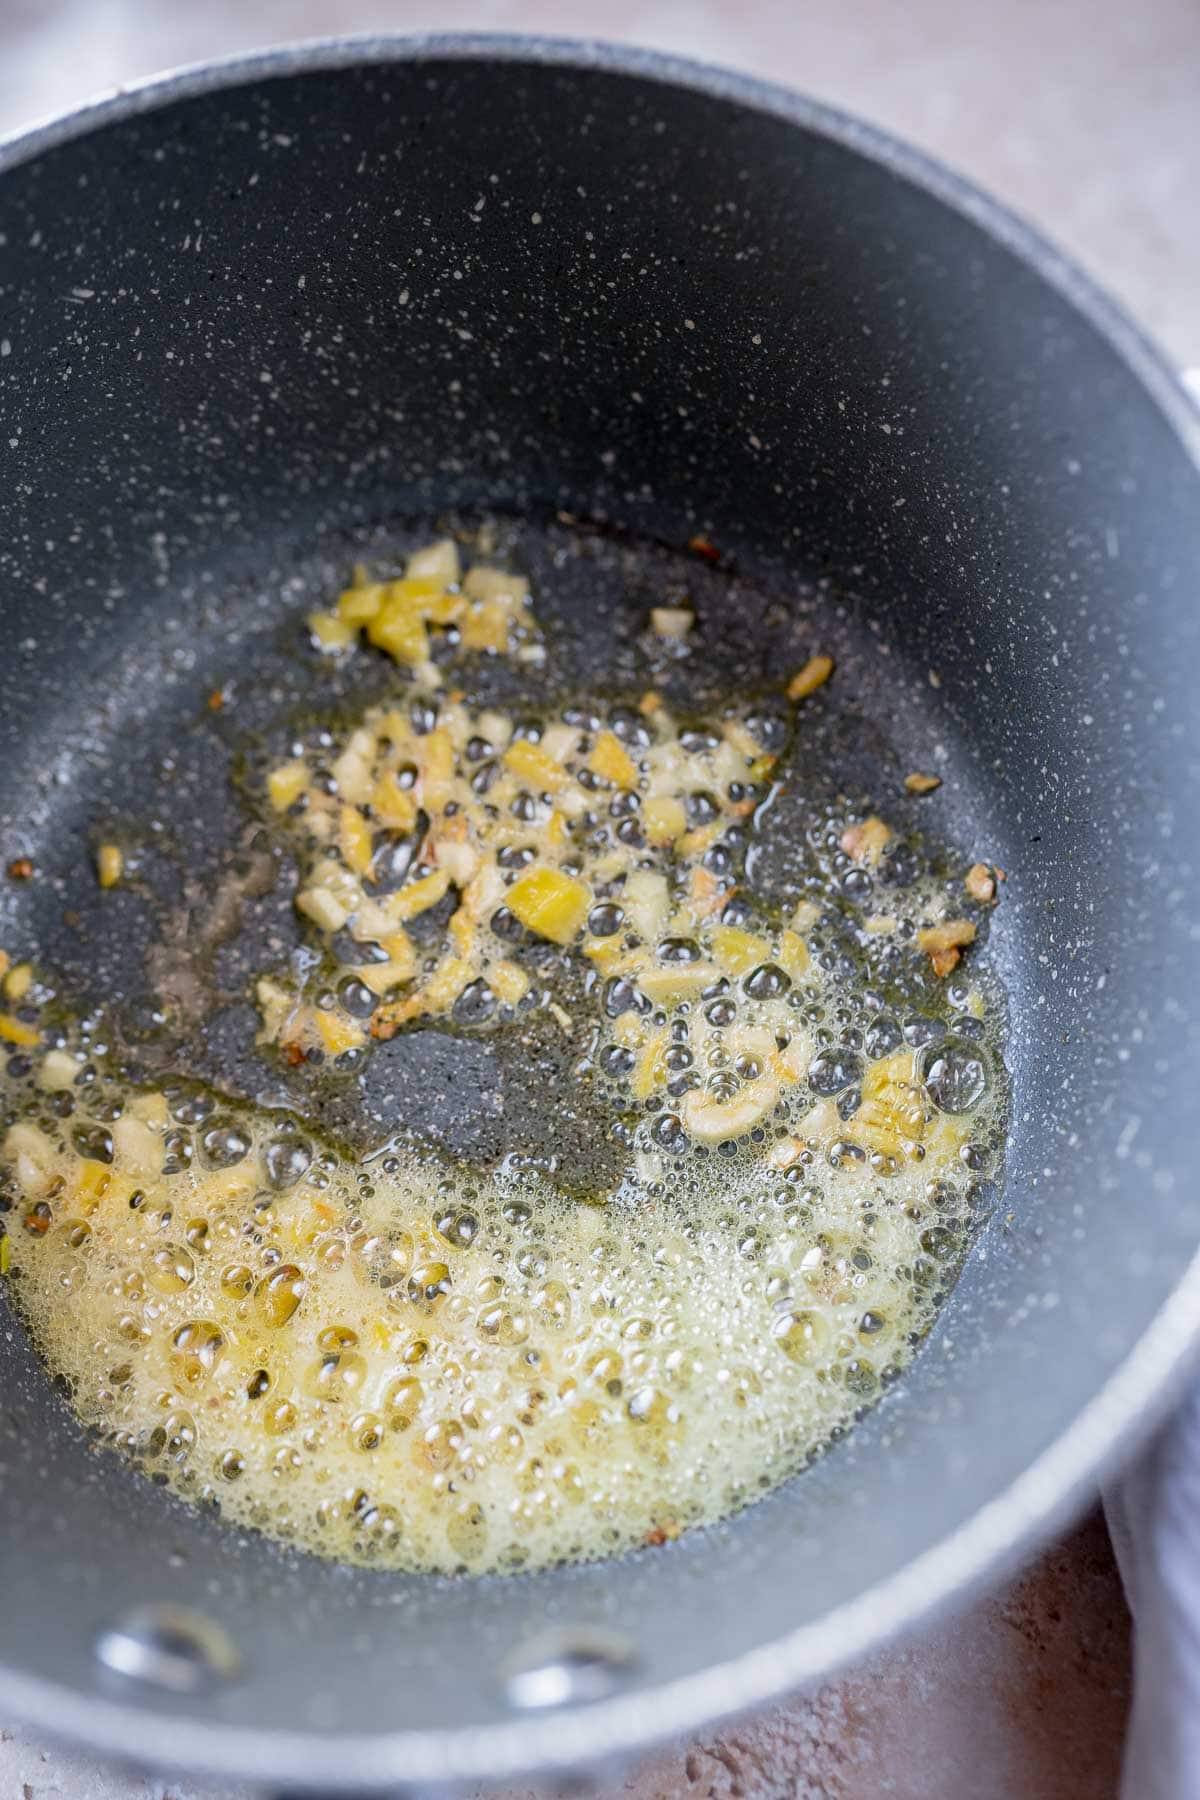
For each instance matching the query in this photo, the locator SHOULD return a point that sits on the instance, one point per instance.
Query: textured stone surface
(1082, 114)
(1024, 1694)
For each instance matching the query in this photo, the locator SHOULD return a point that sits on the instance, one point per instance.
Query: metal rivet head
(168, 1647)
(568, 1666)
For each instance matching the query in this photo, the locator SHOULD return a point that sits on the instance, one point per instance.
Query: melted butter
(405, 1362)
(410, 1362)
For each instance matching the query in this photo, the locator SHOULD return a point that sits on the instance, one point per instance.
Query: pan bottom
(166, 959)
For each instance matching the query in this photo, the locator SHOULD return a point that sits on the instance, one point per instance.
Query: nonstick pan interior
(264, 328)
(167, 762)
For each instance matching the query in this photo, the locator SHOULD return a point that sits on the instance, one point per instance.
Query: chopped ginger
(865, 842)
(894, 1113)
(612, 762)
(943, 944)
(15, 1031)
(950, 936)
(650, 1070)
(713, 1121)
(794, 958)
(499, 819)
(400, 630)
(549, 903)
(437, 770)
(438, 995)
(359, 604)
(676, 982)
(739, 951)
(806, 681)
(663, 819)
(18, 981)
(785, 1153)
(485, 626)
(331, 631)
(59, 1071)
(393, 806)
(336, 1032)
(417, 896)
(530, 763)
(286, 784)
(672, 622)
(354, 840)
(436, 562)
(110, 865)
(980, 883)
(508, 981)
(323, 907)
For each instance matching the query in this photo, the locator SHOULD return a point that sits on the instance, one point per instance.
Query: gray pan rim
(994, 1539)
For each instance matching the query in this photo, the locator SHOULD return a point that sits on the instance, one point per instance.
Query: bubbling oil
(406, 1362)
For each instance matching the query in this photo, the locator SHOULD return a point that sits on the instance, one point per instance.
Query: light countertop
(1082, 114)
(1023, 1697)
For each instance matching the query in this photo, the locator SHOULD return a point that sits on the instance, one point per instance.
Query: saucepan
(252, 314)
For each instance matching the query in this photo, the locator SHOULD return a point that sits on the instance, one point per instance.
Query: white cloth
(1154, 1520)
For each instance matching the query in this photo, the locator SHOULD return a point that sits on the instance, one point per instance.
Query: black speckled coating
(246, 329)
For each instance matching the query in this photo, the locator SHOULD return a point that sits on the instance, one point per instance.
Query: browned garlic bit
(943, 944)
(980, 883)
(922, 784)
(866, 841)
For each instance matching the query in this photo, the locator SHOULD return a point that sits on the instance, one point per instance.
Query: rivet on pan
(168, 1647)
(565, 1667)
